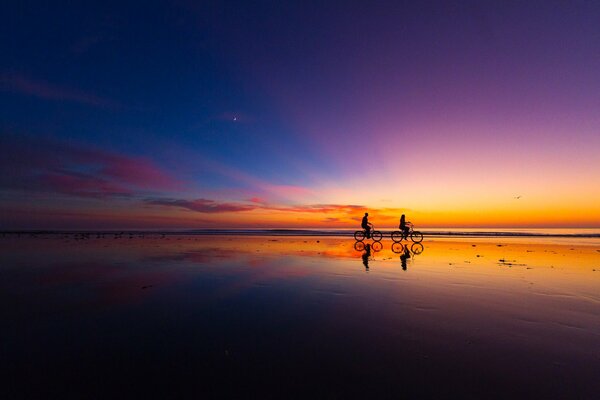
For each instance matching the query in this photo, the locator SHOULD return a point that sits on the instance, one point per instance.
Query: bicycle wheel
(397, 236)
(416, 237)
(416, 248)
(359, 246)
(397, 248)
(376, 235)
(376, 246)
(359, 236)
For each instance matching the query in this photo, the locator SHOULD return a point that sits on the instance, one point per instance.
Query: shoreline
(291, 232)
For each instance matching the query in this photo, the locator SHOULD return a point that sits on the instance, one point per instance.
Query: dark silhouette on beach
(366, 255)
(416, 249)
(406, 252)
(405, 256)
(403, 228)
(366, 225)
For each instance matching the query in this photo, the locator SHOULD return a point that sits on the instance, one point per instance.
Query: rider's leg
(368, 232)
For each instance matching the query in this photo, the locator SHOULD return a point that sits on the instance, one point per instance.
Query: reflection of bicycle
(415, 249)
(360, 246)
(415, 236)
(360, 235)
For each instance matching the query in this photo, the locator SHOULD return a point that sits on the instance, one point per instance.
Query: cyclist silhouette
(403, 228)
(366, 225)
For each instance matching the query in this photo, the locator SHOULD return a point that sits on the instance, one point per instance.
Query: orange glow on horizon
(342, 218)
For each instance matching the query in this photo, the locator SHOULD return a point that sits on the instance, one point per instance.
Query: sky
(270, 114)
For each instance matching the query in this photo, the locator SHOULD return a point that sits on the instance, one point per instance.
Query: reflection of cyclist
(404, 257)
(403, 228)
(366, 225)
(366, 255)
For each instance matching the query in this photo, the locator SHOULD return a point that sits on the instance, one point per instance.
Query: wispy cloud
(45, 90)
(42, 165)
(261, 188)
(201, 205)
(79, 185)
(321, 208)
(257, 200)
(212, 206)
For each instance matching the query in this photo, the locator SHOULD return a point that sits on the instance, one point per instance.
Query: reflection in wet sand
(227, 315)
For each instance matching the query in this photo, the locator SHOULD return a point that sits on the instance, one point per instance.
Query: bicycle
(415, 249)
(359, 236)
(375, 247)
(415, 236)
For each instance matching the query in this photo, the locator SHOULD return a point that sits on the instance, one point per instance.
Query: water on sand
(297, 316)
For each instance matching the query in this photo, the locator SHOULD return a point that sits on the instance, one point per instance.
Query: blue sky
(387, 106)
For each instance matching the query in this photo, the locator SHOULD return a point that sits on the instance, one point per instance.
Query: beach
(299, 316)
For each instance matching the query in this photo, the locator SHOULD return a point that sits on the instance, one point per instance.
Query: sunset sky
(299, 114)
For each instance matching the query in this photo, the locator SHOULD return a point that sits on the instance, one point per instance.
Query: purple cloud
(20, 84)
(202, 205)
(41, 165)
(212, 206)
(80, 185)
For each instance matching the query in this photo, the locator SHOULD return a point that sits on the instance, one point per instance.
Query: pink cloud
(257, 200)
(48, 166)
(20, 84)
(202, 205)
(212, 206)
(262, 189)
(138, 172)
(81, 185)
(322, 208)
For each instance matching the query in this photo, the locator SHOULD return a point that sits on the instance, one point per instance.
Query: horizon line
(442, 232)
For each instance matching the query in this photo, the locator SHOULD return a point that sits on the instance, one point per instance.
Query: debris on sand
(510, 263)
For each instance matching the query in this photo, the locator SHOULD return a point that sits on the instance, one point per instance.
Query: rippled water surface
(265, 316)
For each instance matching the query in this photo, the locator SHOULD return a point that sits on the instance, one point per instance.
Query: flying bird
(518, 197)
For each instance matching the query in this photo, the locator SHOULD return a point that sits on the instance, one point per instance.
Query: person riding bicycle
(366, 225)
(403, 227)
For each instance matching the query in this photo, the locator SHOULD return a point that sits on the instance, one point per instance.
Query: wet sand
(299, 316)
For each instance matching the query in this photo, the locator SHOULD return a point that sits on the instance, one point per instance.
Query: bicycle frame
(401, 234)
(373, 234)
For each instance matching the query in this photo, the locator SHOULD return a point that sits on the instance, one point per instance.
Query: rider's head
(366, 214)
